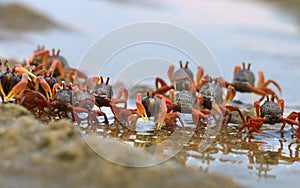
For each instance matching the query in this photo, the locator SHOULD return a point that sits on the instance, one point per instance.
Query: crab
(41, 60)
(188, 102)
(211, 97)
(103, 94)
(63, 103)
(270, 112)
(179, 78)
(84, 99)
(244, 79)
(14, 82)
(33, 99)
(153, 105)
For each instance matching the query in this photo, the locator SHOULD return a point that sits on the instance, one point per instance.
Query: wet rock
(55, 155)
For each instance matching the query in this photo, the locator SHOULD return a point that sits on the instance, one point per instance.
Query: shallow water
(235, 31)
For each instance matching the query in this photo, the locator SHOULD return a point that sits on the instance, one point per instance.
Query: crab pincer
(140, 107)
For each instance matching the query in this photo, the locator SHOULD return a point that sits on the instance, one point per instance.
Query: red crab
(42, 60)
(211, 97)
(64, 102)
(103, 94)
(244, 79)
(153, 105)
(179, 79)
(270, 112)
(33, 99)
(11, 85)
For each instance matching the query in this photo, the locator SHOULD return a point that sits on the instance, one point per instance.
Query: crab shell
(103, 93)
(272, 112)
(182, 73)
(64, 95)
(184, 101)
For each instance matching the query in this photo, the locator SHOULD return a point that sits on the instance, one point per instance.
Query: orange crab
(103, 94)
(41, 60)
(244, 79)
(153, 105)
(179, 79)
(11, 85)
(270, 112)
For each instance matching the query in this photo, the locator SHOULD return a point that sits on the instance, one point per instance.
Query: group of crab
(49, 88)
(45, 85)
(205, 93)
(203, 96)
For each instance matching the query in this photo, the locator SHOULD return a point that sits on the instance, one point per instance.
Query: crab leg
(254, 123)
(258, 91)
(236, 70)
(123, 91)
(77, 74)
(100, 113)
(174, 115)
(164, 87)
(44, 54)
(262, 84)
(40, 80)
(290, 119)
(197, 115)
(230, 109)
(75, 110)
(57, 63)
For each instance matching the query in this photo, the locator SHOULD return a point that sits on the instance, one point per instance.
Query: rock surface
(55, 155)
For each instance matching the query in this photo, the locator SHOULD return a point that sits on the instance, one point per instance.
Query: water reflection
(264, 155)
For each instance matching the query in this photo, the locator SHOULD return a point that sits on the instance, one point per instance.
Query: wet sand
(55, 155)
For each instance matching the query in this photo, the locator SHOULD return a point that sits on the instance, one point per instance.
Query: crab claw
(21, 70)
(172, 95)
(140, 107)
(1, 90)
(231, 92)
(163, 113)
(40, 80)
(18, 88)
